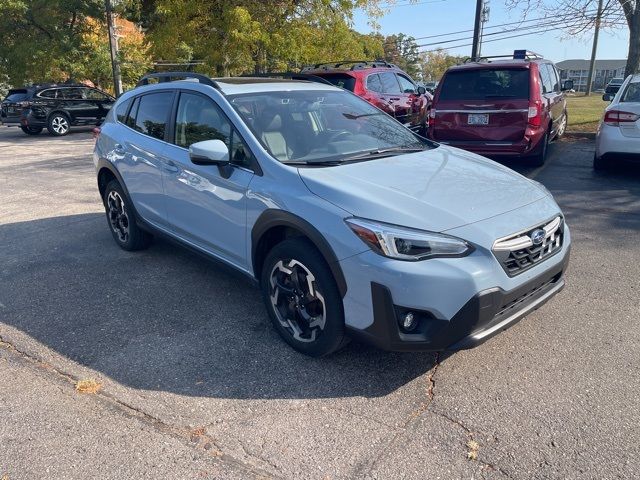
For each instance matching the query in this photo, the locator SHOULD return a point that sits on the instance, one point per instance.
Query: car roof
(495, 64)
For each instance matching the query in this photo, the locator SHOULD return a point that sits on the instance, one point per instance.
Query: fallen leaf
(88, 386)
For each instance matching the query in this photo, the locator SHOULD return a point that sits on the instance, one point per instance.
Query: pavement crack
(259, 457)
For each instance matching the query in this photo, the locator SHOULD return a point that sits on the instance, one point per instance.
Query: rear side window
(48, 93)
(632, 93)
(389, 83)
(151, 115)
(17, 95)
(373, 83)
(545, 76)
(341, 80)
(121, 110)
(485, 83)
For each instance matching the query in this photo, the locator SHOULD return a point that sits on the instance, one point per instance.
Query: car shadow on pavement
(166, 319)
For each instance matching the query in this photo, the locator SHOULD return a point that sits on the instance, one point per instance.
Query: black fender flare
(271, 218)
(105, 164)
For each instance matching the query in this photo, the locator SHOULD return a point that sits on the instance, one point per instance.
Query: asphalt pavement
(196, 384)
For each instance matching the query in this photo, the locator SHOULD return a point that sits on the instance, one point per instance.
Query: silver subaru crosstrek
(351, 224)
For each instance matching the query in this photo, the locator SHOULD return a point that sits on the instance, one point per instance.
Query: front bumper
(483, 316)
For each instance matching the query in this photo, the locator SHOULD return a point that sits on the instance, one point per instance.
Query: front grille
(519, 252)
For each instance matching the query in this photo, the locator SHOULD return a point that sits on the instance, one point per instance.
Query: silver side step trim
(520, 313)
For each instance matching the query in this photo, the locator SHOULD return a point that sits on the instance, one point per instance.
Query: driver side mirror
(607, 97)
(422, 90)
(567, 85)
(209, 152)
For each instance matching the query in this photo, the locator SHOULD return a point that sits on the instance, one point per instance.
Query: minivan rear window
(341, 80)
(17, 95)
(485, 83)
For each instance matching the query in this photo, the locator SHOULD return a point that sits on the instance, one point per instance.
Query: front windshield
(315, 127)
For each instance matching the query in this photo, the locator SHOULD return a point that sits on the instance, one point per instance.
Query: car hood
(436, 190)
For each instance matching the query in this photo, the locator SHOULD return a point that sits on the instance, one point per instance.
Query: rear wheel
(302, 298)
(58, 124)
(31, 130)
(562, 128)
(122, 221)
(541, 157)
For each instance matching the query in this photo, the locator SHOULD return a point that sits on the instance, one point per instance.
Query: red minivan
(383, 85)
(501, 107)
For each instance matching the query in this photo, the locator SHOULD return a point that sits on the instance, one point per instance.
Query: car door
(140, 154)
(410, 104)
(559, 104)
(373, 94)
(101, 100)
(76, 105)
(551, 98)
(391, 91)
(206, 204)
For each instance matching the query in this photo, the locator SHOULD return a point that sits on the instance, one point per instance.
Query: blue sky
(435, 17)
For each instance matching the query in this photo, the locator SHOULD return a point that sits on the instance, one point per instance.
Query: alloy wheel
(118, 218)
(60, 125)
(298, 304)
(562, 127)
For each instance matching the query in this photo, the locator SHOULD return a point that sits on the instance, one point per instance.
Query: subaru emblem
(537, 237)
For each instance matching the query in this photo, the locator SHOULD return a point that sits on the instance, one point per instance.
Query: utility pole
(485, 18)
(476, 30)
(592, 66)
(113, 47)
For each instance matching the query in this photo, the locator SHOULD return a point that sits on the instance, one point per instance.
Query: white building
(578, 71)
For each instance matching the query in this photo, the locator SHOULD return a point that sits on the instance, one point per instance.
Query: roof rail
(174, 76)
(355, 64)
(290, 75)
(517, 55)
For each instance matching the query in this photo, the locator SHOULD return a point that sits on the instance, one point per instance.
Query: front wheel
(122, 221)
(31, 130)
(302, 298)
(58, 125)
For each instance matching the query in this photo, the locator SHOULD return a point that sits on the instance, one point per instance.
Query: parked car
(612, 88)
(350, 223)
(382, 84)
(618, 136)
(501, 107)
(431, 86)
(56, 107)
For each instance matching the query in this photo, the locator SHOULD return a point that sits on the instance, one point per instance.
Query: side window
(51, 93)
(91, 94)
(547, 84)
(121, 111)
(555, 78)
(131, 118)
(389, 83)
(153, 110)
(71, 93)
(406, 85)
(373, 83)
(199, 118)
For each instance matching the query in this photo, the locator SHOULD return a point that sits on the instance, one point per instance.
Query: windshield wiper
(322, 163)
(382, 152)
(351, 116)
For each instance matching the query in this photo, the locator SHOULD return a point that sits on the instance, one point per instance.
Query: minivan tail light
(535, 113)
(616, 117)
(96, 132)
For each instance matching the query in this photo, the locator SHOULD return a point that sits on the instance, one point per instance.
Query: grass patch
(585, 112)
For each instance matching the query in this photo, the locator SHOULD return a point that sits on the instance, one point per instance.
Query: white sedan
(618, 137)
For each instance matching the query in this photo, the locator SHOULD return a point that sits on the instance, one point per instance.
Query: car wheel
(31, 130)
(58, 125)
(122, 221)
(598, 163)
(541, 157)
(562, 128)
(302, 298)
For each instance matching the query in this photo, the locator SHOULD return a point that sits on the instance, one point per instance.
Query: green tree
(434, 63)
(403, 51)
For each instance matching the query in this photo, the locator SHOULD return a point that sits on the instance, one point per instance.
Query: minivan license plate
(478, 119)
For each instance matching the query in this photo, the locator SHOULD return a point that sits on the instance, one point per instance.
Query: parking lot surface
(196, 384)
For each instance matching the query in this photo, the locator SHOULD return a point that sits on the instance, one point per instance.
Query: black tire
(538, 159)
(598, 163)
(58, 124)
(31, 130)
(302, 295)
(121, 219)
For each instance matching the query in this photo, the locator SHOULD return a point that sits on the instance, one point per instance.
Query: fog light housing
(409, 321)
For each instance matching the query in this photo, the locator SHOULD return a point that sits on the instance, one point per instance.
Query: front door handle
(170, 167)
(119, 149)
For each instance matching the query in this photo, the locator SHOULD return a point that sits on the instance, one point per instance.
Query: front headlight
(405, 243)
